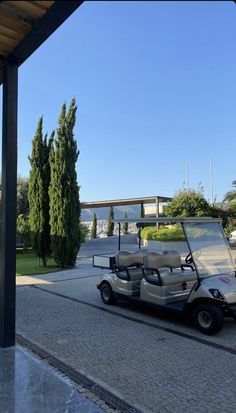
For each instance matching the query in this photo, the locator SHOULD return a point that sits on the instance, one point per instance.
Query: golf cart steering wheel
(189, 258)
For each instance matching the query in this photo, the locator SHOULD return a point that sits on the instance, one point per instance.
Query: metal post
(8, 207)
(142, 215)
(142, 212)
(119, 237)
(157, 210)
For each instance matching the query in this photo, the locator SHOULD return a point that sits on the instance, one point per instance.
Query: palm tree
(231, 195)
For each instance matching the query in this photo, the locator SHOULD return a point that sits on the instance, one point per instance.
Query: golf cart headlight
(216, 294)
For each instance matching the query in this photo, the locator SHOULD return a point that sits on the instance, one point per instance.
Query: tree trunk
(44, 261)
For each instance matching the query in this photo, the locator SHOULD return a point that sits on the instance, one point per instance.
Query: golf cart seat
(187, 270)
(129, 265)
(173, 259)
(166, 268)
(169, 259)
(130, 259)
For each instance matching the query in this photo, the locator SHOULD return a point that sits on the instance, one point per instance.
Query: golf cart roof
(168, 220)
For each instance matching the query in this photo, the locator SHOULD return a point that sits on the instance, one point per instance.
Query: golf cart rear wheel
(209, 318)
(107, 294)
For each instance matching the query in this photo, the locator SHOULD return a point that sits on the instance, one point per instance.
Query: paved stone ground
(135, 353)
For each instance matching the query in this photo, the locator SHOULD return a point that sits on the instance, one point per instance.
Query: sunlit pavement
(153, 362)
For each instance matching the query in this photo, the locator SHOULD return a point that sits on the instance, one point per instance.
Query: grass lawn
(28, 264)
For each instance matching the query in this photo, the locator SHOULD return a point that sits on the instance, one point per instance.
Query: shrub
(83, 232)
(22, 228)
(188, 203)
(230, 227)
(167, 234)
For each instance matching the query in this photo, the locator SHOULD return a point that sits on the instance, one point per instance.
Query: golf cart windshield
(209, 248)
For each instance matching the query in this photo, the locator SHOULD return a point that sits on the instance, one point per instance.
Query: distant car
(204, 285)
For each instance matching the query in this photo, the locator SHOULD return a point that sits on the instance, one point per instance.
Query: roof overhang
(169, 220)
(25, 25)
(127, 201)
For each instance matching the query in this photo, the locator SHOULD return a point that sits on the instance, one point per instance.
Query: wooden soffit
(25, 25)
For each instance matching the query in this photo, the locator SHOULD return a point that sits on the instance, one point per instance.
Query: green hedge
(163, 234)
(175, 233)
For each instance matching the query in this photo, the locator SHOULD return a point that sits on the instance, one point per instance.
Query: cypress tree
(110, 223)
(38, 194)
(94, 227)
(47, 178)
(64, 191)
(22, 196)
(125, 225)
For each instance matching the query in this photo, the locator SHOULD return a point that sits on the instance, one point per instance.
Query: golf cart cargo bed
(104, 261)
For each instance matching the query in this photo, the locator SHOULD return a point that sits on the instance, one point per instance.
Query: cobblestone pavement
(155, 362)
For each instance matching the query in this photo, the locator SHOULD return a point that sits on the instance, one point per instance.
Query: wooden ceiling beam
(43, 5)
(10, 33)
(13, 23)
(27, 8)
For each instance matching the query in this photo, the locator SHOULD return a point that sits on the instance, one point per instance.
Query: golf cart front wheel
(107, 294)
(209, 318)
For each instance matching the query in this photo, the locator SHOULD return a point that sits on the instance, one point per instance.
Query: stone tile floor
(28, 385)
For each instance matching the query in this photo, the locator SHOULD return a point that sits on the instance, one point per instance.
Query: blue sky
(155, 87)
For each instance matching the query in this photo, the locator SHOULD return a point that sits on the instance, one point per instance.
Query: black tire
(209, 318)
(107, 293)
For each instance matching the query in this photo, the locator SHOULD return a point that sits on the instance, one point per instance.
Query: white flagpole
(187, 176)
(211, 181)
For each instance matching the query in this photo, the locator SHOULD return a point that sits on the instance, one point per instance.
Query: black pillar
(8, 207)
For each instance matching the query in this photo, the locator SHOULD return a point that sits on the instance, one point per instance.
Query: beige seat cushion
(130, 259)
(173, 259)
(189, 275)
(170, 278)
(154, 260)
(135, 274)
(131, 274)
(169, 259)
(177, 277)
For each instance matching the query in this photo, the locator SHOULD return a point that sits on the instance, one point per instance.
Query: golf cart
(202, 285)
